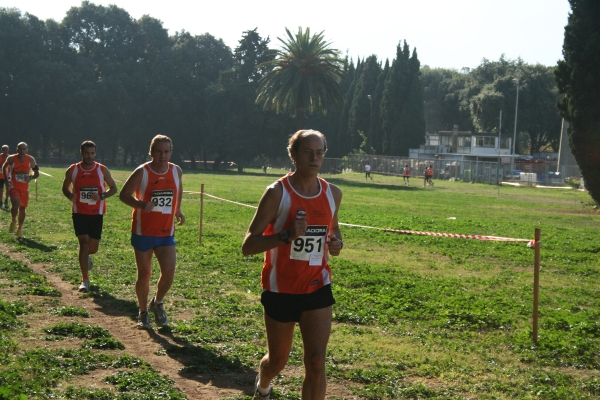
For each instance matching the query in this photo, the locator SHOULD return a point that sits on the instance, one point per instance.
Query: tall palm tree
(305, 76)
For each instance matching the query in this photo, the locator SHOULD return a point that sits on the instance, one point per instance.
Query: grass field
(416, 316)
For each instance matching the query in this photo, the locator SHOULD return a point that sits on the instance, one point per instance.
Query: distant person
(428, 176)
(368, 171)
(89, 180)
(157, 203)
(3, 179)
(18, 168)
(296, 225)
(265, 165)
(406, 175)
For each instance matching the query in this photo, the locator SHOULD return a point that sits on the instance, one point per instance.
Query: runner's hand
(148, 206)
(180, 217)
(298, 229)
(334, 244)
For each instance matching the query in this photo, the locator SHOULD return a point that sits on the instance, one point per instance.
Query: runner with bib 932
(157, 203)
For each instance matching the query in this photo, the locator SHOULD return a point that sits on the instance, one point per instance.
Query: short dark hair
(87, 143)
(294, 143)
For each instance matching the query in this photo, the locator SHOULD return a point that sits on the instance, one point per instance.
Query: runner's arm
(112, 186)
(335, 237)
(130, 187)
(6, 166)
(255, 242)
(67, 185)
(34, 167)
(178, 213)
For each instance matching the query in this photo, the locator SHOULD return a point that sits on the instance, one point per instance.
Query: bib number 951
(311, 246)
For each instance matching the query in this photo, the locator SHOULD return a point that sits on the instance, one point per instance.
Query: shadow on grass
(111, 305)
(371, 184)
(32, 244)
(203, 363)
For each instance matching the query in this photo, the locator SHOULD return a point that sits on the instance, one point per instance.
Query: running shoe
(85, 286)
(144, 321)
(90, 263)
(257, 395)
(13, 226)
(159, 313)
(19, 233)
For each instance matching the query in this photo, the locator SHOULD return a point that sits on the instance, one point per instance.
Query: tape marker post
(530, 242)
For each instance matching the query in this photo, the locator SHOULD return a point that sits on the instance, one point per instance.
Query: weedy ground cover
(416, 316)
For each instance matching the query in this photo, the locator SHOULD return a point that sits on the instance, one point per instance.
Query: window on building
(505, 143)
(464, 141)
(446, 140)
(434, 140)
(485, 141)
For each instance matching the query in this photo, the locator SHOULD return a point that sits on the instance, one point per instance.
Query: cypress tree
(362, 109)
(378, 134)
(578, 78)
(343, 138)
(402, 112)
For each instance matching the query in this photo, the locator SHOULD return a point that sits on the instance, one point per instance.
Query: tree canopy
(305, 76)
(101, 75)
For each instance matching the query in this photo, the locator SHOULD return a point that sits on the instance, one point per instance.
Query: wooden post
(536, 283)
(201, 210)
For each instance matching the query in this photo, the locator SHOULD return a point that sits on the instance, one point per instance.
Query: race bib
(163, 201)
(311, 246)
(85, 194)
(21, 177)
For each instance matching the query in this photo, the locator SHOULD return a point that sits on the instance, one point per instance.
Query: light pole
(516, 111)
(371, 123)
(499, 158)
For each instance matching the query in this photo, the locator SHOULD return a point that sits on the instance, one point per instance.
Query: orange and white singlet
(163, 191)
(300, 267)
(2, 161)
(19, 173)
(85, 183)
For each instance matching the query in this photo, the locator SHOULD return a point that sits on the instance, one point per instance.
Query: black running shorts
(285, 307)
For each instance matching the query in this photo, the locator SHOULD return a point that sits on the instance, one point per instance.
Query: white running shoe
(85, 286)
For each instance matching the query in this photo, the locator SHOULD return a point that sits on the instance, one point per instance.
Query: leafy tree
(105, 36)
(538, 116)
(305, 76)
(238, 127)
(198, 60)
(444, 106)
(578, 79)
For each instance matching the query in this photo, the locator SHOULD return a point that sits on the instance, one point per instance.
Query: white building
(458, 145)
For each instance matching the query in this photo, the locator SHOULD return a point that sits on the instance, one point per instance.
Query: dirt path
(149, 346)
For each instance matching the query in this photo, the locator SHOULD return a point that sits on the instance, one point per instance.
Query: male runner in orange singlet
(18, 167)
(296, 226)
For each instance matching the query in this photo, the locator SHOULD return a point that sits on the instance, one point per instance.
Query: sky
(446, 34)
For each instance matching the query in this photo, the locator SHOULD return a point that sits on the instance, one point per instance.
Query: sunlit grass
(415, 315)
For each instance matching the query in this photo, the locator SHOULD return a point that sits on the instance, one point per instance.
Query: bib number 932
(163, 201)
